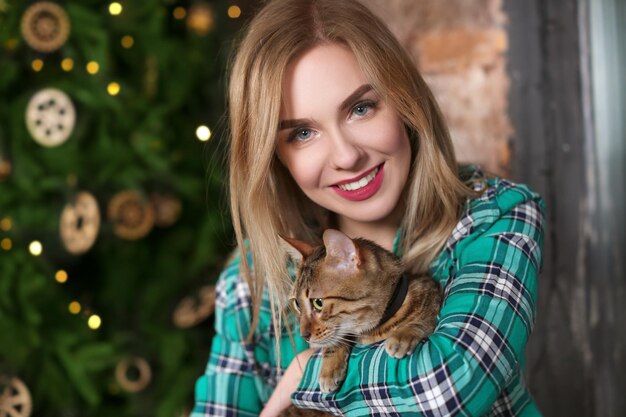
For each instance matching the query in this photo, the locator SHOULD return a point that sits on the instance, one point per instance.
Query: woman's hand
(281, 397)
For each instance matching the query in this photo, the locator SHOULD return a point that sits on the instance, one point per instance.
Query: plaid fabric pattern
(435, 395)
(472, 365)
(379, 399)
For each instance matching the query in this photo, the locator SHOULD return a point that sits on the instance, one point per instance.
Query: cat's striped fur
(343, 291)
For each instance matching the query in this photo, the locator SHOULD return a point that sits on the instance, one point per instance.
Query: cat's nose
(306, 335)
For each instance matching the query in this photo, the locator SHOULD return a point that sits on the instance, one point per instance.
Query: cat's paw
(333, 372)
(401, 345)
(334, 367)
(330, 379)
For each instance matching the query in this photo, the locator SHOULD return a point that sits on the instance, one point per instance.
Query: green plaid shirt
(472, 365)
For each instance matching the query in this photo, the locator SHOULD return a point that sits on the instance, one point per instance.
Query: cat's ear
(341, 249)
(297, 249)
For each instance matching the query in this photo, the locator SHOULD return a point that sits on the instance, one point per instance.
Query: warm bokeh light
(234, 12)
(37, 64)
(74, 307)
(71, 180)
(127, 41)
(6, 224)
(67, 64)
(203, 133)
(94, 322)
(113, 88)
(61, 276)
(11, 43)
(6, 244)
(201, 18)
(179, 13)
(115, 8)
(93, 67)
(35, 248)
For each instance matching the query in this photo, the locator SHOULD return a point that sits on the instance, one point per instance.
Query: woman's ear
(341, 250)
(297, 249)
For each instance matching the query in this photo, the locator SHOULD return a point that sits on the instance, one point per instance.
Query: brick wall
(459, 47)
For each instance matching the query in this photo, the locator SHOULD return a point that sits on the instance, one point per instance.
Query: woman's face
(345, 147)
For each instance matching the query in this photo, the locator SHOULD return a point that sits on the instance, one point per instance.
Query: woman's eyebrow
(291, 123)
(345, 104)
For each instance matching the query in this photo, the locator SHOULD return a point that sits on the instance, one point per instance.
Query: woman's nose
(345, 153)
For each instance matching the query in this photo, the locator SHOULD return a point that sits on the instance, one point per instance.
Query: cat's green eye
(318, 304)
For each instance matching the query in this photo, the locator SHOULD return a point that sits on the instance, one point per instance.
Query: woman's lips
(362, 189)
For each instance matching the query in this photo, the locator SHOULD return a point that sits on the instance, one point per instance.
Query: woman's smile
(362, 188)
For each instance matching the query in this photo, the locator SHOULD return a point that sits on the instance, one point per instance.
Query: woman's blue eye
(300, 135)
(304, 134)
(362, 109)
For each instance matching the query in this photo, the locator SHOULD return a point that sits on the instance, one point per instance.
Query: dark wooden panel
(576, 355)
(547, 149)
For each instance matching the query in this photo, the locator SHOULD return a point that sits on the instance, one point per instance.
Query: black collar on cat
(399, 294)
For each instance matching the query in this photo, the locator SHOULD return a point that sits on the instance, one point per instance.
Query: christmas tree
(113, 221)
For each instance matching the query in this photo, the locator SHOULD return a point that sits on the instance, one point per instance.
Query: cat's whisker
(347, 338)
(338, 336)
(337, 342)
(346, 331)
(342, 340)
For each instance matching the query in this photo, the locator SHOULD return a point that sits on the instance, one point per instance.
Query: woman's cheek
(306, 168)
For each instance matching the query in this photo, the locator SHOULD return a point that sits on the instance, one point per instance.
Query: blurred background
(113, 214)
(113, 217)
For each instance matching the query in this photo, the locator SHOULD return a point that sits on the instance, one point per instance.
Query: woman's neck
(383, 236)
(383, 232)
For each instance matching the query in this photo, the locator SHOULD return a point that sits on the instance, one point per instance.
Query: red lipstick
(362, 193)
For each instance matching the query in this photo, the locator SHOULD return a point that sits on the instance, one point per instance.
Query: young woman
(332, 126)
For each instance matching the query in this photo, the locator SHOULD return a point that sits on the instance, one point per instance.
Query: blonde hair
(265, 201)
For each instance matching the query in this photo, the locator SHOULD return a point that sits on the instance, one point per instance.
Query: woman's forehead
(323, 75)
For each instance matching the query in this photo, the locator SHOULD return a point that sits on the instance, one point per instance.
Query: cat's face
(331, 304)
(338, 292)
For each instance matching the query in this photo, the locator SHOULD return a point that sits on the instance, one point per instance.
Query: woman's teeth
(351, 186)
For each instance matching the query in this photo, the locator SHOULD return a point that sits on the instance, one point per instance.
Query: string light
(93, 67)
(74, 307)
(61, 276)
(6, 224)
(128, 41)
(234, 12)
(37, 65)
(115, 8)
(203, 133)
(179, 13)
(94, 322)
(6, 244)
(67, 64)
(113, 88)
(35, 248)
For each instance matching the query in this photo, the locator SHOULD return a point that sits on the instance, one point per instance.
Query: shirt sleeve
(477, 348)
(230, 385)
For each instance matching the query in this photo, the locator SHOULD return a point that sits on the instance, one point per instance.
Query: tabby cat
(352, 290)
